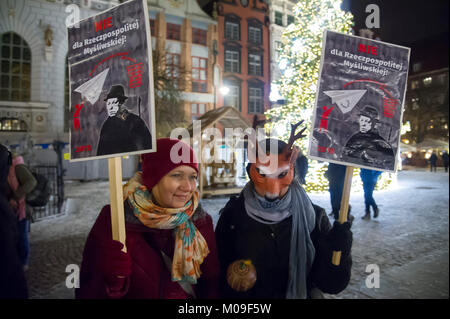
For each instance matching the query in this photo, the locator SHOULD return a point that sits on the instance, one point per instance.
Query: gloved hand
(115, 264)
(341, 237)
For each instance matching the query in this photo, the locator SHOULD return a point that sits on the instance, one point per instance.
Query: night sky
(404, 22)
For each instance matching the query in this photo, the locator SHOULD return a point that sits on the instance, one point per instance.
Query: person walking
(433, 160)
(445, 160)
(13, 284)
(21, 182)
(369, 178)
(170, 241)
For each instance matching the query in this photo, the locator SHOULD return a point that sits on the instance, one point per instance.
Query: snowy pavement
(408, 243)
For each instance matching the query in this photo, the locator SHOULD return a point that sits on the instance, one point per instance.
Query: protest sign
(359, 102)
(112, 109)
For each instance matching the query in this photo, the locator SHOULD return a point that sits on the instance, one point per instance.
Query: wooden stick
(343, 212)
(116, 200)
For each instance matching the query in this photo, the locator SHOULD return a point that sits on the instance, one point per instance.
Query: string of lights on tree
(299, 62)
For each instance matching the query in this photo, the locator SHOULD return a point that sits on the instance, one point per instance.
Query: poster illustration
(112, 109)
(359, 102)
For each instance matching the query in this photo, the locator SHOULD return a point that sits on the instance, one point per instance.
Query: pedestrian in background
(12, 278)
(336, 177)
(445, 160)
(433, 160)
(369, 178)
(170, 241)
(21, 182)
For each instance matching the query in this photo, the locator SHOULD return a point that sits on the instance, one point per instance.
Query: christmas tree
(299, 61)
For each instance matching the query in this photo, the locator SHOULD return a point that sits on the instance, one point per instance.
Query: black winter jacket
(238, 236)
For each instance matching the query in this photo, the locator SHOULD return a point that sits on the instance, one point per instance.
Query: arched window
(15, 70)
(12, 124)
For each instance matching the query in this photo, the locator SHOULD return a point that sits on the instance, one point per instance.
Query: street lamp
(224, 90)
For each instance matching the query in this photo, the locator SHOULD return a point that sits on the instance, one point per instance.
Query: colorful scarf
(190, 246)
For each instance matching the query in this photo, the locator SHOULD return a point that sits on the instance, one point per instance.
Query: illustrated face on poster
(359, 102)
(111, 84)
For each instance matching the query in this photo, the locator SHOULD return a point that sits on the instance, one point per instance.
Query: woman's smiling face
(176, 188)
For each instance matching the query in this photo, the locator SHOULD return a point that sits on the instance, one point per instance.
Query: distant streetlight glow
(224, 90)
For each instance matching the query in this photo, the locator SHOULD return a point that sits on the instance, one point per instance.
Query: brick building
(244, 55)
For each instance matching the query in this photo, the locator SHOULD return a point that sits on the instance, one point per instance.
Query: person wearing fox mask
(272, 241)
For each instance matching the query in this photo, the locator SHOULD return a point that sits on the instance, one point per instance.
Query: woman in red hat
(170, 242)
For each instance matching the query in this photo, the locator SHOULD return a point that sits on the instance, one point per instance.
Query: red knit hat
(156, 165)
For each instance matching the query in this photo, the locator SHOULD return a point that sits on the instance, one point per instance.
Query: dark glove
(115, 264)
(341, 238)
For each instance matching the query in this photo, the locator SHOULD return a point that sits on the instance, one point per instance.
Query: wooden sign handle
(116, 200)
(343, 212)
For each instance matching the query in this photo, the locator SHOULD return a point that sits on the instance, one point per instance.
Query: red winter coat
(150, 278)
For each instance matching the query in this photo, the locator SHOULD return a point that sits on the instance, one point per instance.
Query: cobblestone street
(409, 242)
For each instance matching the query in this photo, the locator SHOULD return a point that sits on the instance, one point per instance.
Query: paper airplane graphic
(345, 99)
(91, 89)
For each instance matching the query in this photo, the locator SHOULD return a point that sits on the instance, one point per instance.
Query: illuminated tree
(299, 61)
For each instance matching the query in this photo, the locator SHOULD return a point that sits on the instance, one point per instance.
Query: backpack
(40, 195)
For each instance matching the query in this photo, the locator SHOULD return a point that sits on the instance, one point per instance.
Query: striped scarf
(190, 246)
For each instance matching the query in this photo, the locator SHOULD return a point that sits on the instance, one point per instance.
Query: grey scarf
(296, 204)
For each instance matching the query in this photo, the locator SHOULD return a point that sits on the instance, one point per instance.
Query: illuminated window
(12, 124)
(427, 81)
(254, 64)
(15, 68)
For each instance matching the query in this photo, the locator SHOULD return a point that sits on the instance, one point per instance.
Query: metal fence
(54, 205)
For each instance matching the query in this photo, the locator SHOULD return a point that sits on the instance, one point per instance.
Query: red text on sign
(83, 148)
(104, 24)
(324, 149)
(367, 49)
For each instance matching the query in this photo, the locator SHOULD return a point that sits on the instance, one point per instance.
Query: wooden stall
(222, 179)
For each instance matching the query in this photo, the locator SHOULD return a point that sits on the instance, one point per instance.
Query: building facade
(34, 87)
(244, 55)
(281, 14)
(426, 102)
(185, 35)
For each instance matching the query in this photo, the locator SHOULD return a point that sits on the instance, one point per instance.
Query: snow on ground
(409, 241)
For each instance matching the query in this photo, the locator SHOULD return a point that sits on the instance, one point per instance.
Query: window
(414, 85)
(232, 60)
(233, 98)
(199, 74)
(198, 109)
(173, 31)
(254, 64)
(290, 19)
(12, 124)
(173, 65)
(427, 81)
(15, 68)
(254, 35)
(153, 27)
(198, 36)
(278, 18)
(232, 30)
(255, 100)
